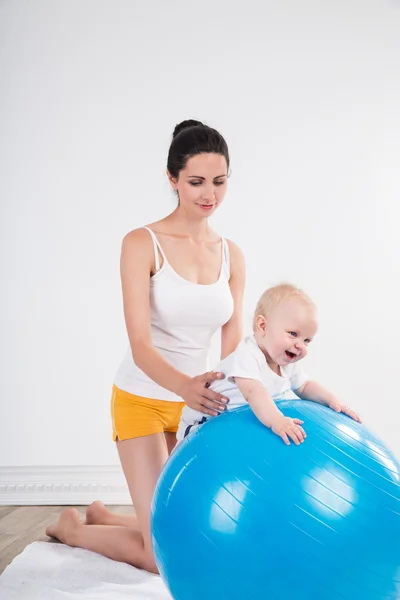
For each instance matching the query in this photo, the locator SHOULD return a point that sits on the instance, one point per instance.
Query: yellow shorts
(134, 416)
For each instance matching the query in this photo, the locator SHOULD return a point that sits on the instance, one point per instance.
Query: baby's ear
(261, 323)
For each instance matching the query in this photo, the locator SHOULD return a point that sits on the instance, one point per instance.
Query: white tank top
(184, 316)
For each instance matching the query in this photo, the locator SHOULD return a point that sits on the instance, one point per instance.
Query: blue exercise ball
(239, 515)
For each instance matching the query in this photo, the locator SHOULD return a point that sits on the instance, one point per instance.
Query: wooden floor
(21, 525)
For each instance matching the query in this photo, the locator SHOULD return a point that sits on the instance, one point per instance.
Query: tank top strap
(226, 260)
(157, 248)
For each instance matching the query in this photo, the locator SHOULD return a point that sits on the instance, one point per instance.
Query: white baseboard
(22, 486)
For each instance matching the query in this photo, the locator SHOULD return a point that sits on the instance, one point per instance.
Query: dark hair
(191, 138)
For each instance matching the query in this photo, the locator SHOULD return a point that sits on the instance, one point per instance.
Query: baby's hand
(287, 428)
(338, 407)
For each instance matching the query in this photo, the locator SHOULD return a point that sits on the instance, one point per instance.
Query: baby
(265, 366)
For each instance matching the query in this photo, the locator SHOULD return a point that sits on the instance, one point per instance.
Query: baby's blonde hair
(275, 295)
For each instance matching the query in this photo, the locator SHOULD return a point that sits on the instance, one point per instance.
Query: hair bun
(185, 125)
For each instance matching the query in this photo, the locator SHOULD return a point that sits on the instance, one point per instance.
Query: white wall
(307, 95)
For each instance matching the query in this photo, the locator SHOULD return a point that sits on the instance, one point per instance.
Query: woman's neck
(194, 228)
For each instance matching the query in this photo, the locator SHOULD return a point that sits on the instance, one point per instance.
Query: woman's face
(202, 184)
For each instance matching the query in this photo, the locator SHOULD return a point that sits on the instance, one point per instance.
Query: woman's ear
(173, 181)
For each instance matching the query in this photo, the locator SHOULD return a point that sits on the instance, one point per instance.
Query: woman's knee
(147, 562)
(143, 557)
(150, 564)
(148, 553)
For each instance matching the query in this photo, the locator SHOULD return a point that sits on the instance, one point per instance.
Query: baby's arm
(268, 413)
(315, 392)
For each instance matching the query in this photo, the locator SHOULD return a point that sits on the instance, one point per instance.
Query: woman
(181, 282)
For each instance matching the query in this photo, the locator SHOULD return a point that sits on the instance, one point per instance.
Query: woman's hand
(196, 393)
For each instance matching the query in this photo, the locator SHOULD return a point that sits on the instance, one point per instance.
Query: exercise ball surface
(238, 515)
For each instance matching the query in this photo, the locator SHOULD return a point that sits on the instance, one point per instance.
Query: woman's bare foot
(66, 527)
(97, 514)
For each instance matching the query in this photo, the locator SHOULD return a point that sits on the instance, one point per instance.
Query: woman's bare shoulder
(137, 239)
(234, 250)
(237, 260)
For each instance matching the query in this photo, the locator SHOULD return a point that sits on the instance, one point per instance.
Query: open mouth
(290, 355)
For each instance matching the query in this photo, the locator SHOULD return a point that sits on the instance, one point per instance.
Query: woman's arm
(232, 331)
(137, 264)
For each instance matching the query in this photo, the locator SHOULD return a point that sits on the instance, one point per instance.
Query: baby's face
(290, 329)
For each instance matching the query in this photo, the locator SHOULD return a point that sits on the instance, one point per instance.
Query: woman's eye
(195, 183)
(219, 182)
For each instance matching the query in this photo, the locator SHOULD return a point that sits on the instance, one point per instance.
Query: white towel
(49, 571)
